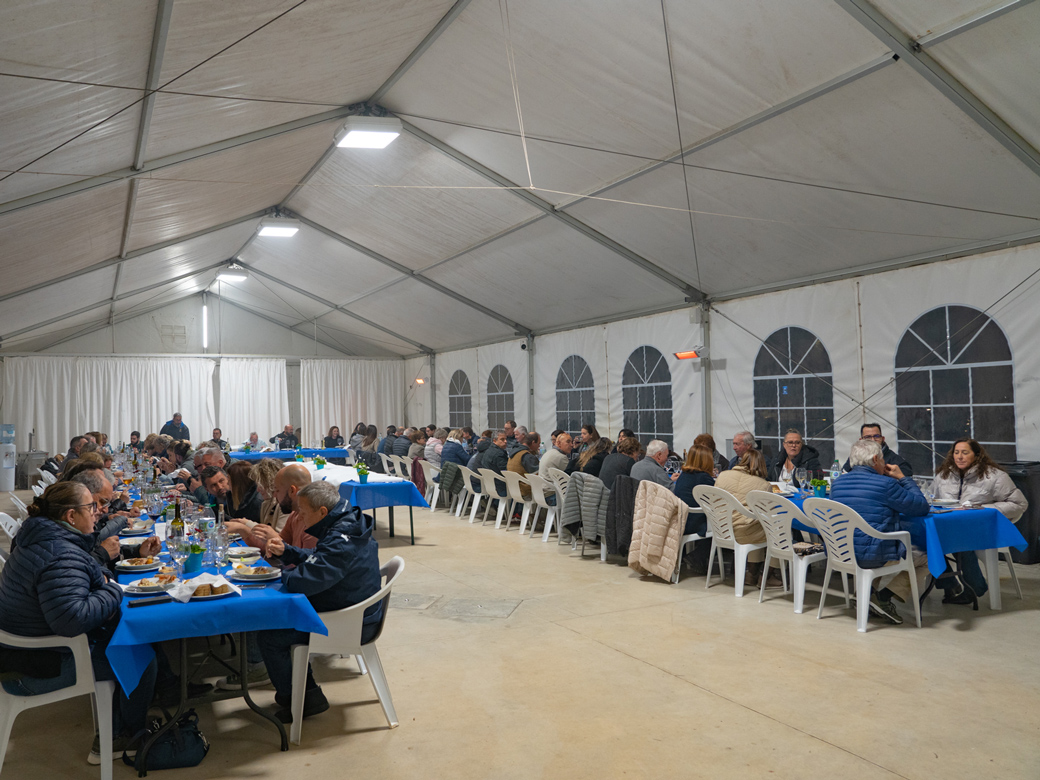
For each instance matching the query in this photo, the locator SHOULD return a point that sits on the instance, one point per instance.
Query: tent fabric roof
(718, 147)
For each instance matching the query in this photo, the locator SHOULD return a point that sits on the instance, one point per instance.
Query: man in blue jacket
(341, 570)
(887, 500)
(176, 428)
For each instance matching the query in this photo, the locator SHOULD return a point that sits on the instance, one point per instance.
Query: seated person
(288, 482)
(796, 455)
(620, 461)
(707, 440)
(341, 570)
(253, 442)
(495, 457)
(872, 431)
(887, 500)
(403, 443)
(234, 489)
(286, 440)
(387, 445)
(525, 460)
(559, 457)
(749, 474)
(263, 473)
(218, 441)
(417, 445)
(52, 585)
(591, 459)
(358, 435)
(135, 441)
(454, 449)
(333, 440)
(696, 470)
(371, 441)
(434, 445)
(968, 474)
(652, 466)
(742, 442)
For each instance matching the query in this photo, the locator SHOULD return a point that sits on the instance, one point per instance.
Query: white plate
(946, 502)
(132, 532)
(243, 552)
(146, 567)
(134, 589)
(213, 596)
(235, 575)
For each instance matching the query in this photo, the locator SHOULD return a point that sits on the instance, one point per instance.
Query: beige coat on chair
(657, 526)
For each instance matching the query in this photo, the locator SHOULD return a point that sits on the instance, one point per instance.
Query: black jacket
(495, 458)
(808, 458)
(892, 458)
(342, 569)
(333, 441)
(613, 465)
(178, 433)
(593, 467)
(286, 441)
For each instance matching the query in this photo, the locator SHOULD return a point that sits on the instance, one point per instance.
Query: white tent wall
(417, 406)
(514, 358)
(254, 396)
(464, 360)
(346, 392)
(549, 353)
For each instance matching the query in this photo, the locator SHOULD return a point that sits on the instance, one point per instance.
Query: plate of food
(135, 532)
(242, 552)
(155, 584)
(255, 573)
(205, 592)
(139, 564)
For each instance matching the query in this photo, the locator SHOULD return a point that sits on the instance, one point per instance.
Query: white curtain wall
(254, 396)
(62, 396)
(346, 392)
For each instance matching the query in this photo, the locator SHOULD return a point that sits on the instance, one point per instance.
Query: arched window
(575, 395)
(793, 390)
(954, 378)
(499, 397)
(646, 392)
(460, 401)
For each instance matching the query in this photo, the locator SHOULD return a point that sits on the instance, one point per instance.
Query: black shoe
(314, 702)
(283, 701)
(964, 597)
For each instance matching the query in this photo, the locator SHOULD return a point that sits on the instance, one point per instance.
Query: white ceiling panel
(889, 133)
(61, 236)
(361, 338)
(139, 303)
(920, 17)
(536, 289)
(999, 62)
(53, 301)
(43, 338)
(217, 188)
(185, 257)
(421, 313)
(314, 261)
(271, 298)
(409, 202)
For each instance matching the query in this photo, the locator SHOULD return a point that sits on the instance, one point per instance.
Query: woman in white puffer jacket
(969, 476)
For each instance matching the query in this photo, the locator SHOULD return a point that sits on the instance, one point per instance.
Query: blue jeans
(275, 646)
(128, 713)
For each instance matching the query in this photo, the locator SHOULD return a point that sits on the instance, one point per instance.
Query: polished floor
(510, 658)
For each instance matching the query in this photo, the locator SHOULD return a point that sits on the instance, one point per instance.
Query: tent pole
(530, 384)
(706, 368)
(433, 387)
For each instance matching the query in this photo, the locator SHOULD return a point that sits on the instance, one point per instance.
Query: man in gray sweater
(652, 466)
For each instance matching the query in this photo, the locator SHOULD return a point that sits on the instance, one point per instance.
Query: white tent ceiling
(140, 143)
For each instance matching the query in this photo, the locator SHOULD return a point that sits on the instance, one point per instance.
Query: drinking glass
(221, 543)
(800, 474)
(179, 549)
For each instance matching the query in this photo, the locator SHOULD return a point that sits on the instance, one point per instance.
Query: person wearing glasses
(796, 455)
(107, 549)
(872, 432)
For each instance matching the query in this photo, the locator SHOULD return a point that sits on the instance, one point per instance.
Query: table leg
(390, 509)
(143, 754)
(243, 675)
(411, 523)
(992, 561)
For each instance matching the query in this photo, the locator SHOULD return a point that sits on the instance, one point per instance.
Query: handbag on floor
(953, 583)
(183, 745)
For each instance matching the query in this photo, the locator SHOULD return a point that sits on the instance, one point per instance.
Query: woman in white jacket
(969, 476)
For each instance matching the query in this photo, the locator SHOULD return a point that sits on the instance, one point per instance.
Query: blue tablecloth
(130, 650)
(372, 495)
(943, 532)
(290, 454)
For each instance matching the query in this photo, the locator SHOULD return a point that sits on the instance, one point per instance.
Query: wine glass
(178, 547)
(800, 475)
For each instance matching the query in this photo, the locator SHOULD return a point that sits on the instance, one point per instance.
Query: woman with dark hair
(371, 441)
(358, 436)
(591, 459)
(589, 436)
(969, 476)
(619, 462)
(333, 439)
(243, 499)
(52, 585)
(708, 441)
(696, 470)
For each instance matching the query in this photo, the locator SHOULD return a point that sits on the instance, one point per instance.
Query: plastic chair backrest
(37, 490)
(775, 514)
(539, 486)
(836, 524)
(345, 625)
(19, 505)
(84, 671)
(513, 482)
(385, 460)
(404, 467)
(9, 525)
(719, 506)
(472, 476)
(428, 471)
(560, 479)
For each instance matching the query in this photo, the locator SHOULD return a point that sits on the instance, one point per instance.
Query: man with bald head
(287, 484)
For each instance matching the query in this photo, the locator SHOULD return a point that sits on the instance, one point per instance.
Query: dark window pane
(919, 455)
(645, 398)
(995, 423)
(632, 421)
(631, 376)
(818, 424)
(765, 393)
(646, 422)
(657, 366)
(950, 386)
(588, 404)
(915, 423)
(912, 353)
(792, 418)
(989, 347)
(992, 385)
(628, 399)
(467, 404)
(766, 425)
(1002, 453)
(913, 388)
(663, 397)
(792, 392)
(561, 400)
(826, 449)
(965, 322)
(766, 365)
(931, 327)
(952, 422)
(818, 392)
(664, 421)
(779, 345)
(816, 362)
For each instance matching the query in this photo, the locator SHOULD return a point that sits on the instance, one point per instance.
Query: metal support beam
(706, 417)
(174, 159)
(521, 330)
(780, 108)
(687, 289)
(433, 386)
(159, 35)
(886, 31)
(135, 254)
(128, 221)
(334, 307)
(531, 420)
(963, 25)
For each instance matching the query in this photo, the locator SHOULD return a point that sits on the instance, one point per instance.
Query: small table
(336, 452)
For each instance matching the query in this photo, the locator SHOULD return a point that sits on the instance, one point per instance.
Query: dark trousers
(275, 647)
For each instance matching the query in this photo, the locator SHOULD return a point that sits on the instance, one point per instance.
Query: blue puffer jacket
(52, 585)
(343, 568)
(885, 503)
(453, 452)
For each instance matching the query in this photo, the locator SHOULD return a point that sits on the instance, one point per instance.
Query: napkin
(183, 590)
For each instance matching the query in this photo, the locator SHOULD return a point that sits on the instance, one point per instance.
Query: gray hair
(320, 494)
(93, 479)
(520, 429)
(749, 439)
(863, 452)
(654, 447)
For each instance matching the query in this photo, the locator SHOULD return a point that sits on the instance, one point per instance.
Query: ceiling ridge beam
(963, 25)
(545, 206)
(334, 307)
(408, 272)
(292, 328)
(187, 155)
(886, 31)
(159, 36)
(134, 254)
(773, 111)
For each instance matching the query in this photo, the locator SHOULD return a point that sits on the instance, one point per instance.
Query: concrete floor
(509, 658)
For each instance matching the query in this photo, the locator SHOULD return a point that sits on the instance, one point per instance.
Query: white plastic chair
(719, 506)
(344, 638)
(403, 466)
(20, 506)
(560, 479)
(516, 497)
(47, 477)
(837, 525)
(491, 480)
(433, 489)
(539, 488)
(385, 460)
(38, 489)
(460, 499)
(101, 693)
(473, 495)
(9, 525)
(775, 513)
(1006, 552)
(685, 541)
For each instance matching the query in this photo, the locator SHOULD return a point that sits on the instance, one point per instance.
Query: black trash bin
(1026, 476)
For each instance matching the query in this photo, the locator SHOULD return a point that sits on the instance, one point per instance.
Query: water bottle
(206, 528)
(835, 470)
